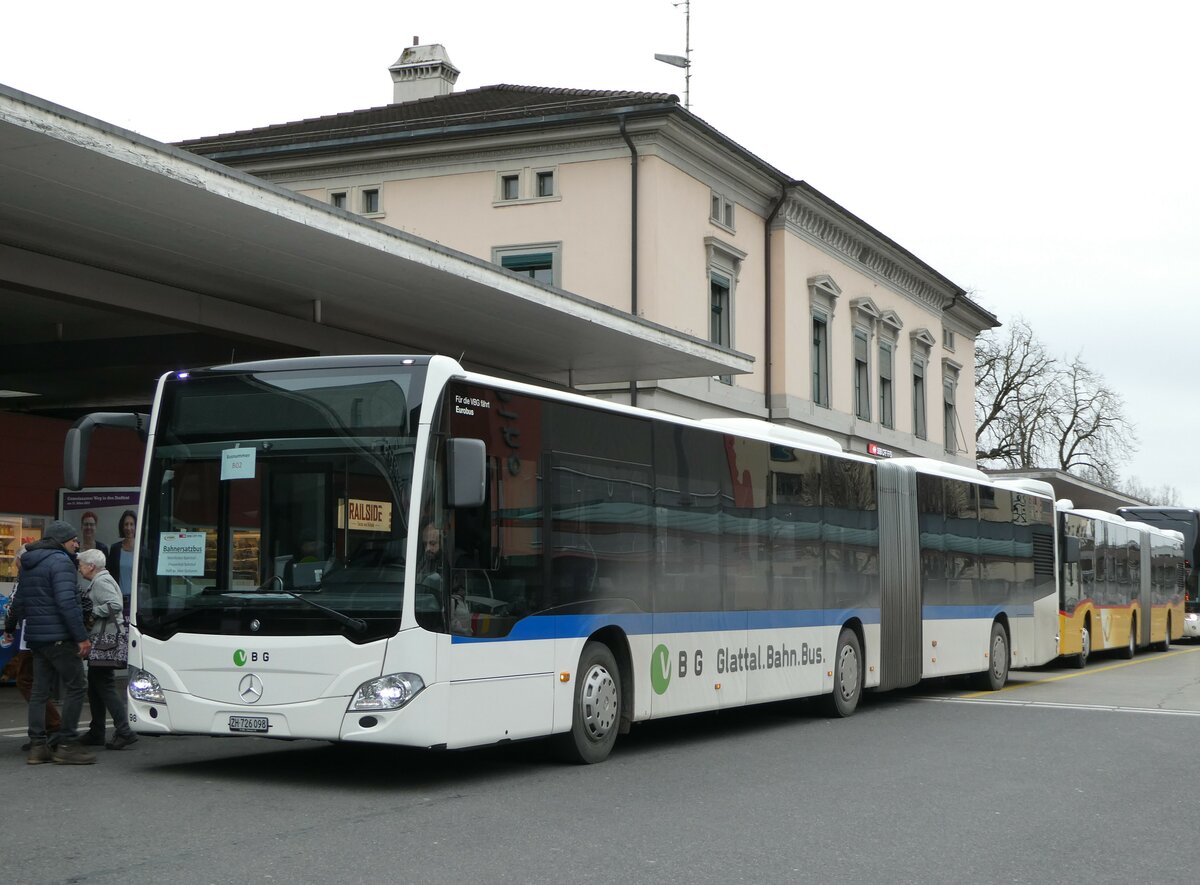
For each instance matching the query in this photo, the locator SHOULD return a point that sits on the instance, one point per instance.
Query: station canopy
(122, 258)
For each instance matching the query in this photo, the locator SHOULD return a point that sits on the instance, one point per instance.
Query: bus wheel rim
(848, 673)
(598, 703)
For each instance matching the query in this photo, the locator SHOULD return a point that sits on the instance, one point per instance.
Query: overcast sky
(1042, 155)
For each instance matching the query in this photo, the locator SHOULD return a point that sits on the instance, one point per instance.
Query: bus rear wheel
(596, 709)
(1165, 645)
(847, 675)
(1131, 647)
(996, 674)
(1085, 647)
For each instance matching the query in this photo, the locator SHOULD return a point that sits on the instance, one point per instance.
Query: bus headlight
(387, 692)
(144, 687)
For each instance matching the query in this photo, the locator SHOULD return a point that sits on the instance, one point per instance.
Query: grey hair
(92, 557)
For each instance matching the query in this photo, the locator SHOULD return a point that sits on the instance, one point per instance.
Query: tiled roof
(473, 106)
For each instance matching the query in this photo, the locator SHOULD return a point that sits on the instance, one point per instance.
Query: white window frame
(527, 180)
(889, 326)
(951, 372)
(343, 193)
(921, 342)
(948, 338)
(887, 388)
(499, 253)
(724, 264)
(360, 197)
(722, 211)
(823, 294)
(819, 359)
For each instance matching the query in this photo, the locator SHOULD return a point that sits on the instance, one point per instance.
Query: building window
(724, 266)
(721, 210)
(538, 261)
(862, 378)
(885, 386)
(950, 374)
(510, 187)
(538, 265)
(950, 418)
(370, 201)
(720, 330)
(820, 361)
(545, 183)
(338, 200)
(919, 430)
(948, 338)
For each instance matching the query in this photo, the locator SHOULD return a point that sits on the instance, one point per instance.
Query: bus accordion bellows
(391, 549)
(1121, 584)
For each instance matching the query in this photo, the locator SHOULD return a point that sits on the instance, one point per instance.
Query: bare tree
(1033, 410)
(1087, 426)
(1010, 403)
(1162, 496)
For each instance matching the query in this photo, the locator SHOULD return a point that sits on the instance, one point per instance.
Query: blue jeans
(61, 658)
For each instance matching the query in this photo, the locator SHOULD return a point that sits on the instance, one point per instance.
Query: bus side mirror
(79, 436)
(466, 476)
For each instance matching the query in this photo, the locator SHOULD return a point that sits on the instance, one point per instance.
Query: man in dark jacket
(55, 634)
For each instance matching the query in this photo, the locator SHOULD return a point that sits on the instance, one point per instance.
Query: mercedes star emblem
(250, 688)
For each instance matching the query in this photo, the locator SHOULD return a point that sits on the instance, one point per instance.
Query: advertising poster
(101, 509)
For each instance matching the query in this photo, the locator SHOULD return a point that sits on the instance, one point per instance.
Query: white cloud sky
(1039, 154)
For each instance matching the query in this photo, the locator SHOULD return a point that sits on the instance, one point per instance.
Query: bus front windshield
(276, 503)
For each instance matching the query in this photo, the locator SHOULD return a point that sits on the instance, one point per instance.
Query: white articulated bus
(394, 550)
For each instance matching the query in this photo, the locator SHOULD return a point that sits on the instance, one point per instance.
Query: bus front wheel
(996, 674)
(1085, 647)
(596, 710)
(847, 675)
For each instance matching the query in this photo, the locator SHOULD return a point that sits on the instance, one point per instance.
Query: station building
(608, 242)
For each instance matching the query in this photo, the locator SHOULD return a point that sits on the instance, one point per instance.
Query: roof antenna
(683, 61)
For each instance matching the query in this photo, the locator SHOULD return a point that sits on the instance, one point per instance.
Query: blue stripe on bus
(577, 626)
(974, 612)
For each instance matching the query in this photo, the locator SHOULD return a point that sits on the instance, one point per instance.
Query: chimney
(422, 72)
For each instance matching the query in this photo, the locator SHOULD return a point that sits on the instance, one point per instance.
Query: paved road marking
(1106, 708)
(1090, 671)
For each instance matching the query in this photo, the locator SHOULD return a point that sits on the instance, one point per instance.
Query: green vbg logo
(239, 657)
(660, 669)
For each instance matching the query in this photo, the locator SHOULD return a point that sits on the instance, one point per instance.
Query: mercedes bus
(395, 550)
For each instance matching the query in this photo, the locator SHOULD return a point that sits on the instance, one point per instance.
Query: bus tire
(595, 709)
(847, 675)
(996, 674)
(1085, 646)
(1130, 648)
(1165, 645)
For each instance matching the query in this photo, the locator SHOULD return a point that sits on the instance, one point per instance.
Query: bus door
(900, 577)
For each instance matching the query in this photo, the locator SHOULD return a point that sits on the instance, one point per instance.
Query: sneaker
(71, 754)
(92, 740)
(120, 742)
(39, 753)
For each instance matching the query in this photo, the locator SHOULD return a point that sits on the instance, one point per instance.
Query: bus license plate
(248, 724)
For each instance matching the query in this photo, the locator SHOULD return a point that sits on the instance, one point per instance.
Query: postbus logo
(660, 669)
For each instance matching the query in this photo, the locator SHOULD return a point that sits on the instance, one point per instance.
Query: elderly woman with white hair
(108, 653)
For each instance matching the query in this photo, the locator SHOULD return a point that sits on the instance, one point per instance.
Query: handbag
(110, 649)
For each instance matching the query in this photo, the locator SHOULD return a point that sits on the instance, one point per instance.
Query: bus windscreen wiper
(358, 625)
